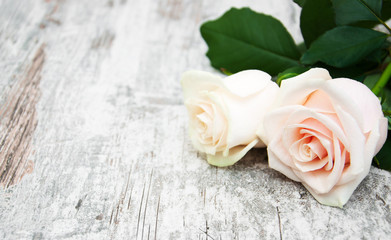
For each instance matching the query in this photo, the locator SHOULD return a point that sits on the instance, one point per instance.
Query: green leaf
(383, 158)
(243, 39)
(351, 11)
(291, 72)
(386, 101)
(352, 72)
(299, 2)
(316, 18)
(344, 46)
(386, 105)
(302, 48)
(384, 16)
(378, 55)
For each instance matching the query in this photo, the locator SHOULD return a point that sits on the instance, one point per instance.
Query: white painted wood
(112, 158)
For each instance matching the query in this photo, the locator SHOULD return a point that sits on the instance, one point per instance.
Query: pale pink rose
(224, 113)
(324, 133)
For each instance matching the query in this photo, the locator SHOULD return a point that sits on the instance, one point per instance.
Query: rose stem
(382, 80)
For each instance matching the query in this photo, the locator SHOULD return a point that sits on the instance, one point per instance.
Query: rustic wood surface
(94, 142)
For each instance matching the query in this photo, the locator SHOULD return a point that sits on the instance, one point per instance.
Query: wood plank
(112, 158)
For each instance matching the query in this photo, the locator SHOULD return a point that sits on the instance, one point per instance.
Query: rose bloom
(324, 133)
(224, 113)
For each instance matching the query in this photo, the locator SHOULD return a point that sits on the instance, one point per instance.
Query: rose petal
(280, 152)
(194, 82)
(319, 101)
(317, 148)
(355, 146)
(296, 150)
(339, 195)
(297, 89)
(322, 181)
(219, 124)
(274, 120)
(245, 115)
(246, 83)
(302, 113)
(377, 136)
(356, 99)
(313, 165)
(317, 126)
(235, 154)
(326, 143)
(276, 164)
(315, 161)
(295, 131)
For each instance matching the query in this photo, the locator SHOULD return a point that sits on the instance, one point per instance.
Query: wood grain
(18, 122)
(112, 158)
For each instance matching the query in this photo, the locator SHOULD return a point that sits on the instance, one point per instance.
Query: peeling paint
(17, 124)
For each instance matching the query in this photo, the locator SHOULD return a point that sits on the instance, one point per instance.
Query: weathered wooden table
(94, 142)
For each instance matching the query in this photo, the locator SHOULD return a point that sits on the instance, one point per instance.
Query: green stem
(376, 161)
(382, 81)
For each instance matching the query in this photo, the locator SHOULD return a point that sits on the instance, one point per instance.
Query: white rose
(324, 133)
(226, 112)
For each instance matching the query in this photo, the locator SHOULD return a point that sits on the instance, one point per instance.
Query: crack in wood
(146, 203)
(116, 214)
(207, 235)
(131, 188)
(279, 222)
(111, 216)
(381, 199)
(103, 41)
(18, 119)
(130, 196)
(157, 216)
(119, 205)
(139, 211)
(204, 197)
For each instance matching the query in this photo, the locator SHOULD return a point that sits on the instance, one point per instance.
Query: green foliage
(237, 41)
(316, 18)
(344, 46)
(339, 35)
(383, 158)
(371, 80)
(290, 72)
(351, 11)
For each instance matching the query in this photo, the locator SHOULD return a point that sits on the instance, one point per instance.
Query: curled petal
(322, 181)
(280, 154)
(356, 99)
(235, 154)
(355, 147)
(337, 196)
(246, 83)
(297, 89)
(276, 164)
(195, 82)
